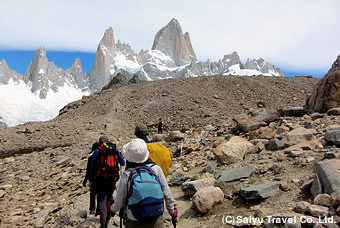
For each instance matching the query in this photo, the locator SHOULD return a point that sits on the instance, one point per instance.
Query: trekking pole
(121, 222)
(181, 149)
(174, 218)
(174, 221)
(121, 211)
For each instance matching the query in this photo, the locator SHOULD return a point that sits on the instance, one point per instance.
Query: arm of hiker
(121, 194)
(120, 158)
(93, 165)
(170, 202)
(88, 167)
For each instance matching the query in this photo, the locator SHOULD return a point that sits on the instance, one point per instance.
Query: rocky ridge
(6, 74)
(277, 150)
(172, 56)
(45, 75)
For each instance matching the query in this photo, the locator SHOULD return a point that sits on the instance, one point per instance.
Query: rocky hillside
(277, 149)
(182, 103)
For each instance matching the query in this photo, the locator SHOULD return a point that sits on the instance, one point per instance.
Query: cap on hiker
(136, 151)
(141, 129)
(103, 139)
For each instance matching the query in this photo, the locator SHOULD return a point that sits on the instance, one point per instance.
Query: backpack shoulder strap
(151, 164)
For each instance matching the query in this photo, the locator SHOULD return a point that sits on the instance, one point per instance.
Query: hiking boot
(97, 213)
(92, 211)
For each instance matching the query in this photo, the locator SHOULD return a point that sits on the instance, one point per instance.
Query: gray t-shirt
(122, 192)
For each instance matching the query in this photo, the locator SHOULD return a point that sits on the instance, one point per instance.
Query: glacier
(20, 105)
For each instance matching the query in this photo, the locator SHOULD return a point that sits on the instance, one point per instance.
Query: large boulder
(326, 93)
(266, 115)
(292, 111)
(260, 191)
(247, 123)
(206, 198)
(175, 136)
(327, 178)
(234, 150)
(262, 133)
(237, 173)
(290, 139)
(333, 136)
(191, 187)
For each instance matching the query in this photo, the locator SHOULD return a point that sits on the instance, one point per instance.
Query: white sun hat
(136, 151)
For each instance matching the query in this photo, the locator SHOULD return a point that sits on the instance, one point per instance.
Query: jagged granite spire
(336, 64)
(6, 74)
(263, 66)
(171, 41)
(101, 72)
(44, 75)
(76, 71)
(36, 73)
(230, 60)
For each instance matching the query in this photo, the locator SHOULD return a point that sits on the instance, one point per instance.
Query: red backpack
(108, 161)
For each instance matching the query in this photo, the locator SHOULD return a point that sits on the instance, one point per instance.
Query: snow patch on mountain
(236, 70)
(121, 62)
(25, 106)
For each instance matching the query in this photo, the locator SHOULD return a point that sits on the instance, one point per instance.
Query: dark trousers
(93, 193)
(105, 189)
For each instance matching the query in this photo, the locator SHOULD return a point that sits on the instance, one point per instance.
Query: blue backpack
(145, 195)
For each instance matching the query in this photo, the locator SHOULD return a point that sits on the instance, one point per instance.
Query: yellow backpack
(160, 155)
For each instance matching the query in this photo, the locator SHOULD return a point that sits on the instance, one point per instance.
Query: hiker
(93, 190)
(160, 125)
(142, 201)
(105, 171)
(158, 153)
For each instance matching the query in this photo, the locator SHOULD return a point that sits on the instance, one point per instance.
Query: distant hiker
(105, 171)
(160, 126)
(105, 126)
(93, 189)
(159, 153)
(142, 190)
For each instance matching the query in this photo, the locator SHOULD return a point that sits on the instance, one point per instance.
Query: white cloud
(297, 35)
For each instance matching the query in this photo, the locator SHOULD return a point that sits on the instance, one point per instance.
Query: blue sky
(300, 37)
(20, 60)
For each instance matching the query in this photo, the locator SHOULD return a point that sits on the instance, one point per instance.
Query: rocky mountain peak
(76, 63)
(336, 64)
(108, 39)
(171, 41)
(43, 75)
(121, 46)
(103, 67)
(36, 72)
(231, 59)
(262, 66)
(76, 73)
(3, 64)
(6, 74)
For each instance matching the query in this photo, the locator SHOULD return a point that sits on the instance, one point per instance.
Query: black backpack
(108, 161)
